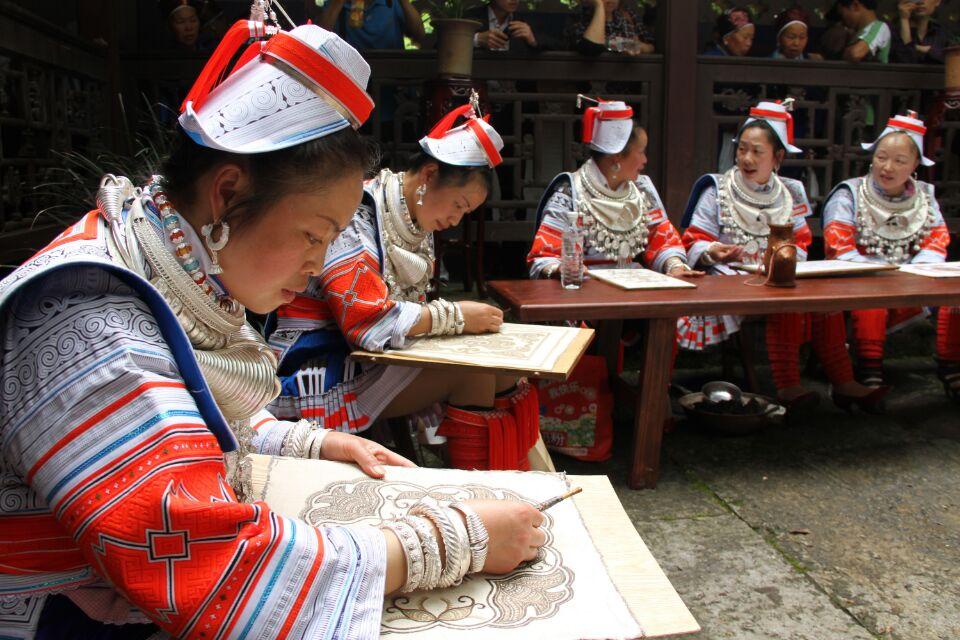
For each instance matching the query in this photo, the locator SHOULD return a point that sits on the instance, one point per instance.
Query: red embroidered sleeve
(694, 235)
(356, 294)
(937, 241)
(663, 237)
(839, 238)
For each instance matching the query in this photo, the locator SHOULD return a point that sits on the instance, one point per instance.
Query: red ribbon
(909, 126)
(592, 114)
(335, 83)
(215, 71)
(493, 156)
(785, 116)
(446, 122)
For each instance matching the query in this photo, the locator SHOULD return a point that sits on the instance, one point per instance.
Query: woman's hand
(906, 8)
(480, 318)
(682, 271)
(725, 252)
(492, 39)
(521, 30)
(515, 533)
(367, 454)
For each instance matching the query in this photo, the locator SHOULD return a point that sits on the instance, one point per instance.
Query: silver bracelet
(705, 258)
(466, 554)
(452, 542)
(432, 563)
(297, 440)
(315, 442)
(477, 534)
(412, 552)
(458, 318)
(434, 319)
(675, 261)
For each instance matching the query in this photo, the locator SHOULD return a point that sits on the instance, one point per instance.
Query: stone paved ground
(833, 527)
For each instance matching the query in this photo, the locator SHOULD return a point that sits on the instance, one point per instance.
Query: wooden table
(545, 300)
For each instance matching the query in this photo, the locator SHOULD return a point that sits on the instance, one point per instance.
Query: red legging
(870, 329)
(828, 335)
(948, 334)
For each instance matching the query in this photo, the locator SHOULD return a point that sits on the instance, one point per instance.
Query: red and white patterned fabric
(283, 90)
(607, 127)
(704, 228)
(110, 474)
(909, 124)
(347, 306)
(475, 143)
(871, 326)
(560, 198)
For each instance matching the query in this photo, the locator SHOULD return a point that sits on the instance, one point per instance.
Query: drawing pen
(546, 504)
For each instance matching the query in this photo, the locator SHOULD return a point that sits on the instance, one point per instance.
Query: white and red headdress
(777, 115)
(607, 126)
(909, 124)
(475, 143)
(285, 89)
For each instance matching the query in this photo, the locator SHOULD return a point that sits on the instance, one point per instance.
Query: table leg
(652, 401)
(608, 345)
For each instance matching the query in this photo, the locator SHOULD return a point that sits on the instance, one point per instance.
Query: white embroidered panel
(565, 594)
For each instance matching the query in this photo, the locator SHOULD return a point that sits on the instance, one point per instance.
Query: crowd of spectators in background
(853, 30)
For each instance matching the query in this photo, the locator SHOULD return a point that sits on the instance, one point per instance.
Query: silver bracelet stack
(477, 533)
(303, 440)
(465, 546)
(446, 318)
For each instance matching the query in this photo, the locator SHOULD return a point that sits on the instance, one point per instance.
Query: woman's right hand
(725, 252)
(492, 39)
(480, 318)
(514, 530)
(906, 8)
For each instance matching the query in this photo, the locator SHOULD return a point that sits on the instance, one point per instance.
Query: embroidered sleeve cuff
(542, 267)
(409, 315)
(667, 257)
(697, 254)
(355, 561)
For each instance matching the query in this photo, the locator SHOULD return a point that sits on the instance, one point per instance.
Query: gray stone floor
(833, 527)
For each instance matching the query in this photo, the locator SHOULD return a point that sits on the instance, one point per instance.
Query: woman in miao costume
(890, 216)
(727, 220)
(371, 294)
(618, 208)
(129, 377)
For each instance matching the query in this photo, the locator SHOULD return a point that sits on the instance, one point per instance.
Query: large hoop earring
(421, 191)
(215, 245)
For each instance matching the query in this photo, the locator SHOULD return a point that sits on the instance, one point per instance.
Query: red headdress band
(467, 111)
(289, 50)
(334, 82)
(785, 116)
(592, 114)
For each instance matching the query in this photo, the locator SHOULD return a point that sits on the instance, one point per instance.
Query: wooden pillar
(679, 109)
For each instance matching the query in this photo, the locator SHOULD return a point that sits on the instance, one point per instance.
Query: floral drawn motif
(535, 591)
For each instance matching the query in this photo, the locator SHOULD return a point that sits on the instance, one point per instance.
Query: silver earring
(215, 245)
(616, 169)
(421, 191)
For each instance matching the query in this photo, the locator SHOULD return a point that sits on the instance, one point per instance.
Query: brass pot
(455, 47)
(780, 258)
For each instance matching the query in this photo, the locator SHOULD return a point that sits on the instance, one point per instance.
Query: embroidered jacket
(560, 198)
(840, 227)
(112, 471)
(347, 306)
